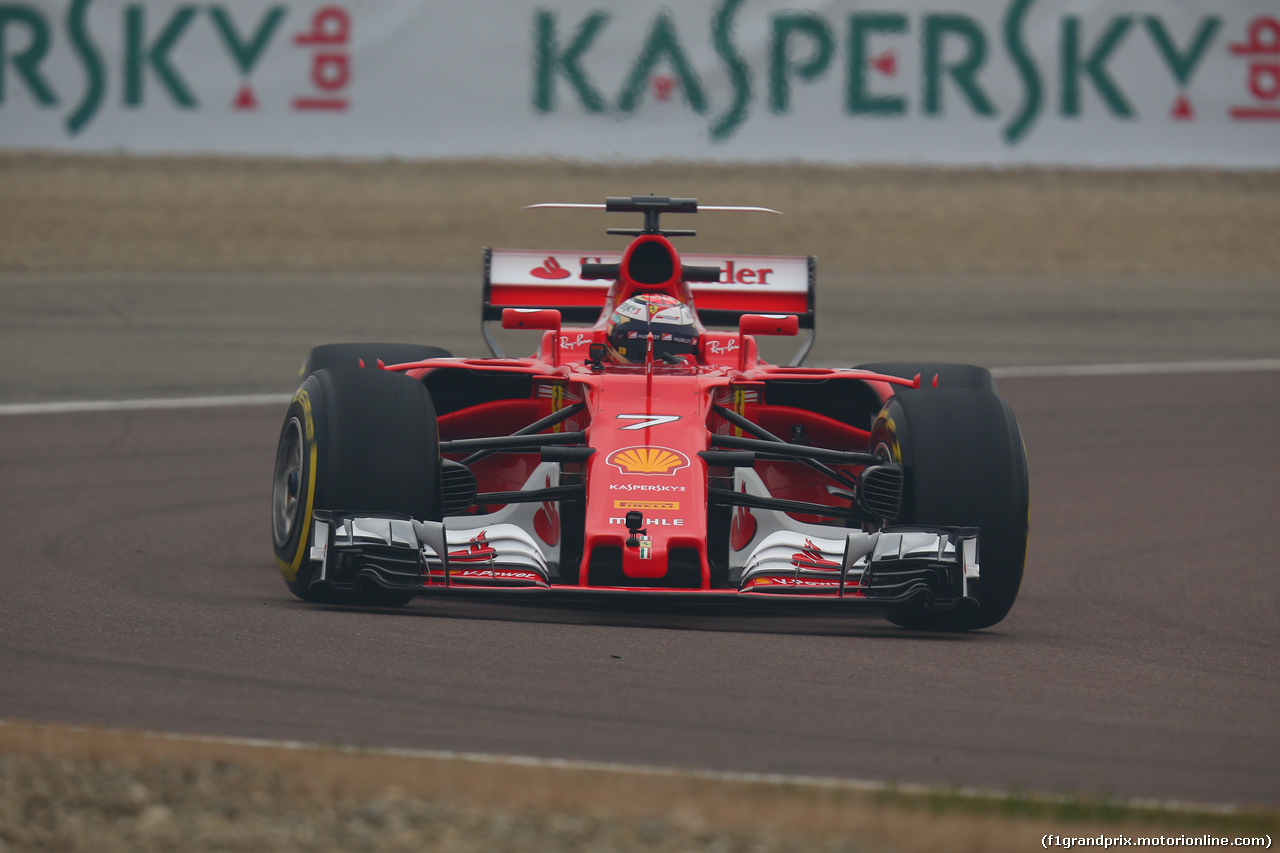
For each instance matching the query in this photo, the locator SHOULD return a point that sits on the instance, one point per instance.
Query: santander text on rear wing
(749, 284)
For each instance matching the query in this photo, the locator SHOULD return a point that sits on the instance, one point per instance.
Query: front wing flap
(891, 566)
(404, 554)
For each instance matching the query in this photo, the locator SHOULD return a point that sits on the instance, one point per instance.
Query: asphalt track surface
(1140, 659)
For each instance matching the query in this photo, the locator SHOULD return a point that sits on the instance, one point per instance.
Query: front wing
(933, 566)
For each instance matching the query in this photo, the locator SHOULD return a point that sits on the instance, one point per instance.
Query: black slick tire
(353, 439)
(965, 466)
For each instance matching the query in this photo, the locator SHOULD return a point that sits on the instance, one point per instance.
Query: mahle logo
(863, 49)
(151, 38)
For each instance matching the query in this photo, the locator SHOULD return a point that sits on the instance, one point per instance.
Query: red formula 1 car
(642, 452)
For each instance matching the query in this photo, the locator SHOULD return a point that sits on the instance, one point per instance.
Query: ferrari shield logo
(648, 460)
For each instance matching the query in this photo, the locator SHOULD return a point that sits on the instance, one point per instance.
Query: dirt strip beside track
(116, 213)
(108, 791)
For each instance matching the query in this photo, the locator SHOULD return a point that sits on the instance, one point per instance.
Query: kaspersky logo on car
(648, 460)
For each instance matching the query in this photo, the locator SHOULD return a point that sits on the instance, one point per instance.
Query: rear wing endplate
(749, 284)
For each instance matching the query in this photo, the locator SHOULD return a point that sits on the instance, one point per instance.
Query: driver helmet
(670, 321)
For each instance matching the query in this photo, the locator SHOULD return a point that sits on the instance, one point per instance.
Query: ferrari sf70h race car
(646, 448)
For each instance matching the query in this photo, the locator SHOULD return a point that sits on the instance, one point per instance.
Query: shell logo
(648, 460)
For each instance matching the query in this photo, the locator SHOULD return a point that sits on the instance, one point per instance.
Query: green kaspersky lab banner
(979, 82)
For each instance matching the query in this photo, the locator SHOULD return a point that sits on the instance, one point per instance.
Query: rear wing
(749, 284)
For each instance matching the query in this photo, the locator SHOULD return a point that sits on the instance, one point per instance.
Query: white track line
(1136, 369)
(144, 404)
(552, 764)
(1048, 371)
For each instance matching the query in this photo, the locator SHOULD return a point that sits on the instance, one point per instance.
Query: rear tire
(949, 375)
(965, 466)
(354, 439)
(350, 355)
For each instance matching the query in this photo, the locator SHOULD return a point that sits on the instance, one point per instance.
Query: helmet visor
(631, 343)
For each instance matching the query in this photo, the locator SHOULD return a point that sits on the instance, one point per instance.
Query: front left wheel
(965, 466)
(353, 439)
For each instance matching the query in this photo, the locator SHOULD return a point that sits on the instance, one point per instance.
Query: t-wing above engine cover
(652, 206)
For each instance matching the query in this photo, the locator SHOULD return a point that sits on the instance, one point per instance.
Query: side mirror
(762, 324)
(768, 324)
(546, 319)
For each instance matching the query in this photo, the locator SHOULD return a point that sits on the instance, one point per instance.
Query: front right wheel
(354, 439)
(965, 466)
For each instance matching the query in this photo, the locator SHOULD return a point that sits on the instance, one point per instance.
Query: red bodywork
(647, 423)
